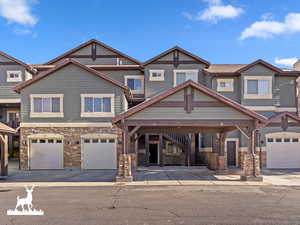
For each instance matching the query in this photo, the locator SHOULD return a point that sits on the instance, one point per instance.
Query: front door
(153, 154)
(231, 153)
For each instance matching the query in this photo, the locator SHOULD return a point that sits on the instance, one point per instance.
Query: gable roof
(17, 61)
(60, 66)
(262, 62)
(197, 58)
(283, 114)
(88, 43)
(6, 129)
(198, 87)
(237, 69)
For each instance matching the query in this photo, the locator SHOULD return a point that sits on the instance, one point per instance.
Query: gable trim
(197, 58)
(17, 61)
(198, 87)
(262, 62)
(88, 43)
(60, 66)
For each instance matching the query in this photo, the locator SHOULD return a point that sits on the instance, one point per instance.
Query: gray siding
(6, 91)
(99, 61)
(236, 94)
(155, 87)
(70, 81)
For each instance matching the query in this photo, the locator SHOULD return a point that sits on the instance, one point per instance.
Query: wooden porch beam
(135, 129)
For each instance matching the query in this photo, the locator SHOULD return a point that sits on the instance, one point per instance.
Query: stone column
(161, 154)
(250, 161)
(124, 168)
(193, 150)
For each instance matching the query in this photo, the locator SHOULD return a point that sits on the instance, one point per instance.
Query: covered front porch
(188, 110)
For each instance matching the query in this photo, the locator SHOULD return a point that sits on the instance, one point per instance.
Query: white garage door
(99, 153)
(283, 151)
(46, 153)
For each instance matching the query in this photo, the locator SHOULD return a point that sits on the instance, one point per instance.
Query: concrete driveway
(66, 175)
(288, 177)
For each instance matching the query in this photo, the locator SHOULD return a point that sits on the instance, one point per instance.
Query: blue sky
(220, 31)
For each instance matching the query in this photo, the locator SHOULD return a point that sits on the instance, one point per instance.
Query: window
(270, 140)
(295, 140)
(97, 105)
(278, 140)
(225, 85)
(258, 87)
(14, 76)
(46, 105)
(157, 75)
(181, 76)
(287, 140)
(135, 83)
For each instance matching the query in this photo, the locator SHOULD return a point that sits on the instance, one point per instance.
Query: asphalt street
(147, 205)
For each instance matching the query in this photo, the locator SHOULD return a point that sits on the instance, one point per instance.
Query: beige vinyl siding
(203, 113)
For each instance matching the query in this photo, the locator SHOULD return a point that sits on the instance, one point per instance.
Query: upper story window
(135, 83)
(46, 105)
(258, 87)
(157, 75)
(14, 76)
(97, 105)
(181, 76)
(225, 85)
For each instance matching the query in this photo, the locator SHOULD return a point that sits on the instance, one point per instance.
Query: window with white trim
(225, 85)
(258, 87)
(14, 76)
(181, 76)
(157, 75)
(97, 105)
(46, 105)
(135, 83)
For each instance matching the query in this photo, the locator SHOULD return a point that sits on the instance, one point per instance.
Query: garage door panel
(46, 155)
(99, 154)
(283, 152)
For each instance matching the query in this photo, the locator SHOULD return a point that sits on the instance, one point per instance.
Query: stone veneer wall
(72, 142)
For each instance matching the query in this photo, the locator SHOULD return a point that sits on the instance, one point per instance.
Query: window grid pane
(98, 104)
(252, 87)
(37, 105)
(55, 104)
(88, 104)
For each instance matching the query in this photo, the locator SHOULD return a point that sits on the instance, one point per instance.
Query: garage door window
(295, 140)
(270, 140)
(278, 140)
(287, 140)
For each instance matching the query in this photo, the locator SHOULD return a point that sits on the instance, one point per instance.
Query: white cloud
(215, 12)
(286, 62)
(17, 11)
(269, 28)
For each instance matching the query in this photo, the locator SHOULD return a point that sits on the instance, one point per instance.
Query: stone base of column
(124, 169)
(217, 162)
(251, 168)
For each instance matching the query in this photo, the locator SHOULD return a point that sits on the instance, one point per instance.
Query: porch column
(4, 156)
(136, 142)
(250, 162)
(193, 150)
(124, 169)
(147, 148)
(161, 154)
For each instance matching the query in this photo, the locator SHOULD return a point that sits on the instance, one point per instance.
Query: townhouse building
(95, 107)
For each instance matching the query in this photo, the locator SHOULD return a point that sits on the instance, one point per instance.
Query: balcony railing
(14, 124)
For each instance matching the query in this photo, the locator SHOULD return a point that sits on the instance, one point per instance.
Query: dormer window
(14, 76)
(258, 87)
(157, 75)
